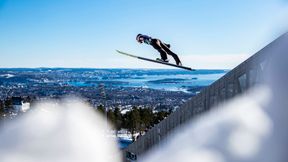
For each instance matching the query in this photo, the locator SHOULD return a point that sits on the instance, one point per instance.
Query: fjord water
(162, 79)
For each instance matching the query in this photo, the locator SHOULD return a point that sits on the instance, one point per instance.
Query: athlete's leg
(156, 43)
(169, 52)
(162, 53)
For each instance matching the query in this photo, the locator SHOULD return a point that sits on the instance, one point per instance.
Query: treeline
(7, 111)
(138, 120)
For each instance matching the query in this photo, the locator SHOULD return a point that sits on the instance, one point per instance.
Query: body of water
(170, 80)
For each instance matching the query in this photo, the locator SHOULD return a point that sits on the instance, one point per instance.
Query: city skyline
(205, 34)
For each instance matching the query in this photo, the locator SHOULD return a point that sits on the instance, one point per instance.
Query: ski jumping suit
(163, 48)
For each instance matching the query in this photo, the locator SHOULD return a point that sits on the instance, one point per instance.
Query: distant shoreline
(87, 68)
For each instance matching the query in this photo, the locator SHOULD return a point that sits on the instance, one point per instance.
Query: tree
(101, 109)
(159, 116)
(146, 118)
(118, 119)
(2, 110)
(133, 121)
(111, 117)
(8, 103)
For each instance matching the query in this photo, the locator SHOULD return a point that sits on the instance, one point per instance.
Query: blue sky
(85, 33)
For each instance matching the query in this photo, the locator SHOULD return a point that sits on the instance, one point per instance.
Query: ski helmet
(138, 36)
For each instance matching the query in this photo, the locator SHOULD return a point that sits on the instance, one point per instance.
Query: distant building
(18, 105)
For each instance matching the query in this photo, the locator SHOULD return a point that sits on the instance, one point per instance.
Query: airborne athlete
(161, 47)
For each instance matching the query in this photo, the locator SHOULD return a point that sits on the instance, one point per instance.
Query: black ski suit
(162, 48)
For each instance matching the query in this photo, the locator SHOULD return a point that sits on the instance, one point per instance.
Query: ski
(155, 61)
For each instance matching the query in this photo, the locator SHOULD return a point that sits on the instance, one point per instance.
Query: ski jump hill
(235, 82)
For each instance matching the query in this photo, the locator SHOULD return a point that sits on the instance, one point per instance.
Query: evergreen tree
(146, 118)
(101, 109)
(111, 117)
(2, 110)
(133, 121)
(159, 116)
(8, 103)
(118, 119)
